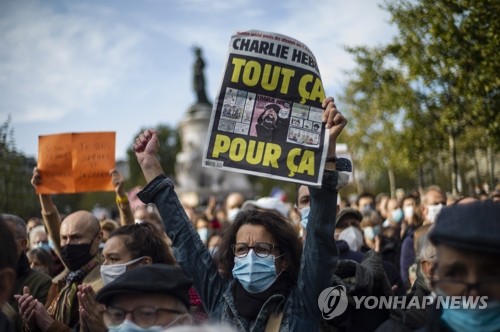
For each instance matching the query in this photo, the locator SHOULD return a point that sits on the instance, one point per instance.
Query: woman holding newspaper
(272, 283)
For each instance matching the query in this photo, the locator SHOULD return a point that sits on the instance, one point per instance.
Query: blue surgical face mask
(368, 208)
(485, 320)
(255, 274)
(397, 215)
(44, 245)
(370, 232)
(129, 326)
(304, 216)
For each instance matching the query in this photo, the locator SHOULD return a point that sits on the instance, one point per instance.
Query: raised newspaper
(266, 119)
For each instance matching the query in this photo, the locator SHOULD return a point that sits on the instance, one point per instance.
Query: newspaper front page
(266, 119)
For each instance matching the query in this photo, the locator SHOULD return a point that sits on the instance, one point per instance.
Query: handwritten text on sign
(76, 162)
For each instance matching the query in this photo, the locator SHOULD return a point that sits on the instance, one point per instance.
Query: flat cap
(348, 211)
(149, 279)
(469, 226)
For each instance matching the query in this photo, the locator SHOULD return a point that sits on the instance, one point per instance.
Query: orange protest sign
(76, 162)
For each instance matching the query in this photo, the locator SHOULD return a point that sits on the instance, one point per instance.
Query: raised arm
(126, 215)
(320, 252)
(50, 215)
(190, 252)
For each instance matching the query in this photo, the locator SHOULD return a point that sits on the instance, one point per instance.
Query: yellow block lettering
(252, 151)
(287, 75)
(238, 149)
(221, 145)
(273, 152)
(270, 85)
(290, 161)
(304, 81)
(238, 64)
(317, 92)
(251, 73)
(254, 155)
(307, 163)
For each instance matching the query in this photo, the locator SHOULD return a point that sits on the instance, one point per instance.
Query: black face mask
(75, 256)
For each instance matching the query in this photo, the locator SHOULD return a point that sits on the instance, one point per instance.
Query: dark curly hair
(145, 240)
(282, 230)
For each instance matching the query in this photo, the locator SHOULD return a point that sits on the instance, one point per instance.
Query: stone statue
(199, 78)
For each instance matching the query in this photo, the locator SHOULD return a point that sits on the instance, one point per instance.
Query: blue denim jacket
(300, 309)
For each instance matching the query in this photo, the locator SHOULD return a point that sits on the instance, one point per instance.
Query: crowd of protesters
(246, 264)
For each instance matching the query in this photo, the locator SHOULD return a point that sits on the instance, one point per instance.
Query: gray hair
(37, 230)
(426, 250)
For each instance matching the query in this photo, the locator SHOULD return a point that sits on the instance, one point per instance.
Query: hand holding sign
(333, 119)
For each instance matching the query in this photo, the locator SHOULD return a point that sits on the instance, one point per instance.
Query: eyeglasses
(487, 287)
(261, 249)
(143, 316)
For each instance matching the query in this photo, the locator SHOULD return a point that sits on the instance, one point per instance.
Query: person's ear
(147, 260)
(95, 243)
(7, 279)
(24, 244)
(100, 236)
(283, 264)
(423, 210)
(426, 267)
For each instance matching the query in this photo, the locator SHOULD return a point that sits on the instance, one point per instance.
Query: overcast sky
(119, 65)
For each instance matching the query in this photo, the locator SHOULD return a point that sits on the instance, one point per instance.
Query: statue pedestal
(197, 183)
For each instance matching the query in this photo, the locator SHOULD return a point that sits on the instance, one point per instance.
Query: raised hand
(333, 119)
(146, 150)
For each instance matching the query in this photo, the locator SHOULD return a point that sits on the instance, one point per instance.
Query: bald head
(234, 200)
(81, 227)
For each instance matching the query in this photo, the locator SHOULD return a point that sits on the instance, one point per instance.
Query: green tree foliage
(17, 196)
(376, 98)
(438, 80)
(450, 49)
(170, 145)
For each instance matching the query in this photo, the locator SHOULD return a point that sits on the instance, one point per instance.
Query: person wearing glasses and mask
(127, 248)
(467, 240)
(270, 281)
(147, 298)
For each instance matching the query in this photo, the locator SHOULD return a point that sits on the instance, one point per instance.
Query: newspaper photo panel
(266, 119)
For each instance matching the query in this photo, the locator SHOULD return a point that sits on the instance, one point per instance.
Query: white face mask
(433, 211)
(231, 214)
(353, 237)
(203, 233)
(110, 272)
(408, 211)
